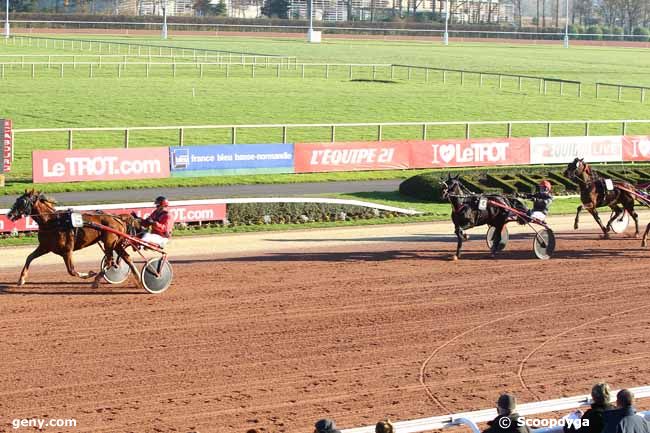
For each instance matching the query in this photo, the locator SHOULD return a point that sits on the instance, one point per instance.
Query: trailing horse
(56, 234)
(595, 192)
(468, 211)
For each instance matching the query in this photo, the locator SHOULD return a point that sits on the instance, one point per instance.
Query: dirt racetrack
(273, 341)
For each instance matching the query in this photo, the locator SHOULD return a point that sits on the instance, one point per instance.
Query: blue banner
(224, 159)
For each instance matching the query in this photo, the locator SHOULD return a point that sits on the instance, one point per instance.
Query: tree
(202, 7)
(220, 8)
(276, 8)
(20, 5)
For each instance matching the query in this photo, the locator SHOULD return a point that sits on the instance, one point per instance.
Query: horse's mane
(47, 199)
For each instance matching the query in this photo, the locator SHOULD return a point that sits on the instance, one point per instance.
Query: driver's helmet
(545, 186)
(161, 201)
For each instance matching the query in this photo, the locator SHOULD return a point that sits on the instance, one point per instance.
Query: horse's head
(451, 186)
(576, 168)
(23, 205)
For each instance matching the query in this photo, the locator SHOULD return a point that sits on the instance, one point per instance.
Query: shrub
(596, 32)
(642, 34)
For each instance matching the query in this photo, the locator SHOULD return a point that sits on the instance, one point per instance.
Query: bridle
(464, 194)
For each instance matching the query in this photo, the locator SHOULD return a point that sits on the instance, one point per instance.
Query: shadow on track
(10, 288)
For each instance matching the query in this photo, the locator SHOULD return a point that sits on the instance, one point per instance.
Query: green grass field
(49, 101)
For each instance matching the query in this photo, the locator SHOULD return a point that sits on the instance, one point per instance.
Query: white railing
(471, 419)
(508, 124)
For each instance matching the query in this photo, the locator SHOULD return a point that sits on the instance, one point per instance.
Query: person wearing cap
(624, 419)
(159, 223)
(325, 426)
(542, 199)
(600, 396)
(384, 427)
(507, 420)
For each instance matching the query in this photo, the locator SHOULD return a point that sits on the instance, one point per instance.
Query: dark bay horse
(466, 212)
(56, 234)
(594, 194)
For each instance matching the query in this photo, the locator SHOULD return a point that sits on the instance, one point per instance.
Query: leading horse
(595, 192)
(467, 212)
(56, 234)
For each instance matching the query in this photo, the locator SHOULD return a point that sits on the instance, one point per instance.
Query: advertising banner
(99, 164)
(636, 148)
(474, 152)
(376, 155)
(562, 150)
(179, 214)
(7, 145)
(225, 159)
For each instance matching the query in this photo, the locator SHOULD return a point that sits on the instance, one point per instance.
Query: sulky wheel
(619, 225)
(544, 244)
(156, 275)
(118, 272)
(504, 238)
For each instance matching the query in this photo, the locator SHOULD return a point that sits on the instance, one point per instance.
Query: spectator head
(624, 398)
(600, 393)
(326, 425)
(384, 427)
(506, 404)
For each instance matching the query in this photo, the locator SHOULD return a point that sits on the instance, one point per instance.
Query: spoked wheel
(505, 237)
(156, 275)
(118, 272)
(544, 244)
(619, 225)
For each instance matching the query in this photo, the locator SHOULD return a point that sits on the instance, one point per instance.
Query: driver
(160, 224)
(542, 200)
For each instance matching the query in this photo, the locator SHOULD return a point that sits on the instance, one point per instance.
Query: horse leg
(496, 240)
(645, 236)
(617, 212)
(575, 223)
(594, 213)
(134, 270)
(39, 251)
(635, 217)
(460, 236)
(69, 264)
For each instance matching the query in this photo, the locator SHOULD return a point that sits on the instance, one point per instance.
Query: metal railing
(462, 72)
(620, 88)
(284, 128)
(471, 419)
(129, 48)
(249, 68)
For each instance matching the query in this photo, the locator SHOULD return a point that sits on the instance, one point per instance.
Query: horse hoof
(575, 227)
(644, 243)
(21, 282)
(454, 257)
(466, 237)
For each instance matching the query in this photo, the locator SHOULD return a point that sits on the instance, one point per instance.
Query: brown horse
(56, 234)
(594, 194)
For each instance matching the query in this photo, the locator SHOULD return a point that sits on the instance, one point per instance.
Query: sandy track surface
(354, 328)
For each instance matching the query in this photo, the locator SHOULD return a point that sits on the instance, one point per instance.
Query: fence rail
(470, 419)
(542, 80)
(128, 48)
(620, 88)
(284, 128)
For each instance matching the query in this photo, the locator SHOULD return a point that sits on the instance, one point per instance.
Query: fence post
(597, 90)
(579, 90)
(126, 138)
(548, 129)
(91, 71)
(374, 72)
(69, 139)
(278, 71)
(409, 72)
(284, 134)
(327, 71)
(424, 131)
(509, 129)
(181, 136)
(620, 90)
(33, 70)
(545, 85)
(586, 129)
(624, 128)
(146, 69)
(444, 77)
(303, 71)
(642, 95)
(234, 135)
(379, 133)
(201, 70)
(467, 132)
(519, 84)
(333, 134)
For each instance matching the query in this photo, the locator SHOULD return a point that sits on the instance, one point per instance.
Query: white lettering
(57, 170)
(471, 153)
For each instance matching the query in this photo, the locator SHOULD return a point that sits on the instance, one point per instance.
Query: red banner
(636, 148)
(7, 145)
(100, 164)
(474, 152)
(376, 155)
(179, 214)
